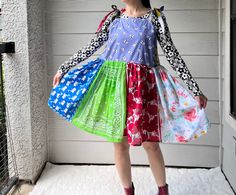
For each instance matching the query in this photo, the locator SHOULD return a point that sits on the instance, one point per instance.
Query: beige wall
(194, 26)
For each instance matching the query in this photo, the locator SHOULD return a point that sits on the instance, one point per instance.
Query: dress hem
(87, 129)
(118, 140)
(204, 131)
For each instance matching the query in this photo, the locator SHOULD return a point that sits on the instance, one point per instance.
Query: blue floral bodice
(132, 39)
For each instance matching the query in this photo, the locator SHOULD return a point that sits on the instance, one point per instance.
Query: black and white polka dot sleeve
(100, 37)
(171, 53)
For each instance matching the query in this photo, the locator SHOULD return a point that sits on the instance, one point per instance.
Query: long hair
(146, 3)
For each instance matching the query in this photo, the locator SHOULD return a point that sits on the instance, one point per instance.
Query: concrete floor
(83, 180)
(24, 189)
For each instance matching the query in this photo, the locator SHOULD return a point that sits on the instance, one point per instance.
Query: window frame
(226, 56)
(232, 110)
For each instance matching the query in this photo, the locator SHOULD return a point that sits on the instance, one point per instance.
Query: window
(233, 59)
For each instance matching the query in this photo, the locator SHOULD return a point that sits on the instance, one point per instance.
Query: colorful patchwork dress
(126, 91)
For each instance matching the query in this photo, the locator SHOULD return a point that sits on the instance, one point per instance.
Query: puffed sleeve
(99, 38)
(171, 53)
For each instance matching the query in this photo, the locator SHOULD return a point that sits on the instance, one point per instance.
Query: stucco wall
(25, 83)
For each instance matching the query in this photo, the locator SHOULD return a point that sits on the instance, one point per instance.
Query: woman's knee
(151, 146)
(122, 146)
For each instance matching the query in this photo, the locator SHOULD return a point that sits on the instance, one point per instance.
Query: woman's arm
(171, 53)
(100, 37)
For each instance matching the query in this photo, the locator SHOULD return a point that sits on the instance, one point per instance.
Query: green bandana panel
(103, 108)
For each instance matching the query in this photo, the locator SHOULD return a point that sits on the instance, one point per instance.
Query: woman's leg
(156, 161)
(122, 162)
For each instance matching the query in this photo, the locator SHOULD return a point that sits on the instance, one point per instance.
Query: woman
(125, 95)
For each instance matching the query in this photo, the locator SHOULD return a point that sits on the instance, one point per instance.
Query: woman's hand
(56, 79)
(202, 100)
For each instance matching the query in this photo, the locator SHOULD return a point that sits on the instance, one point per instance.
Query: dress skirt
(114, 99)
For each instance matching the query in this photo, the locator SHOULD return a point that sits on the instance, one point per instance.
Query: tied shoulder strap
(159, 10)
(114, 7)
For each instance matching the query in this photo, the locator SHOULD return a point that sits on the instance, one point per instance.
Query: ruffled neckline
(146, 15)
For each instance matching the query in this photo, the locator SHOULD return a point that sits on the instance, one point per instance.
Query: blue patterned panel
(65, 98)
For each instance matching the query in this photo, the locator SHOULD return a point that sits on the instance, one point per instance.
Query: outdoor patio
(47, 155)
